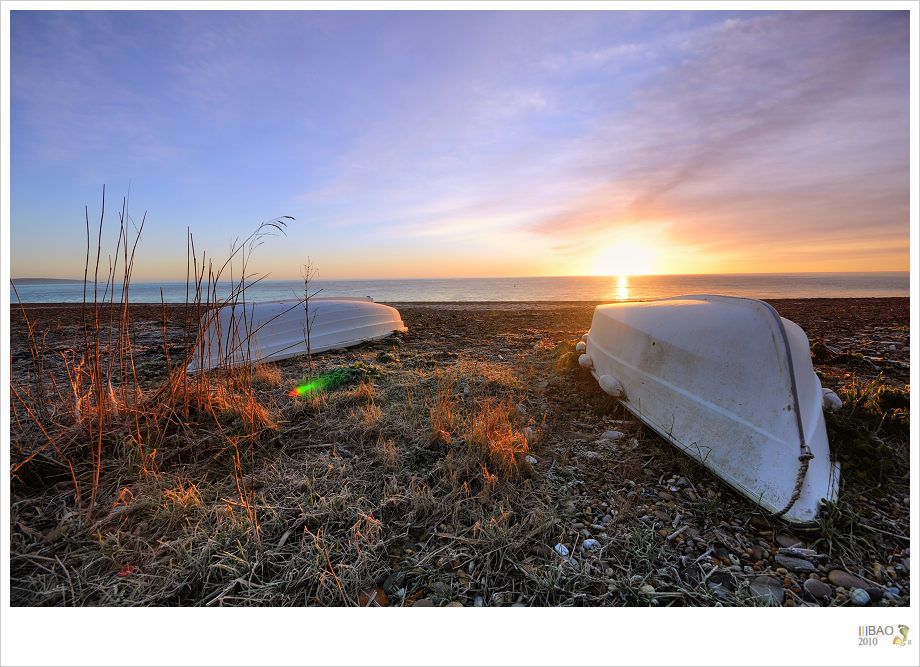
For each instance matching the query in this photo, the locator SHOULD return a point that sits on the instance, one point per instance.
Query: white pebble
(832, 401)
(613, 435)
(591, 544)
(562, 550)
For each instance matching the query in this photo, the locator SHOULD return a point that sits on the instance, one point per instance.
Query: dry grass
(389, 453)
(363, 393)
(444, 414)
(368, 417)
(494, 435)
(266, 376)
(349, 501)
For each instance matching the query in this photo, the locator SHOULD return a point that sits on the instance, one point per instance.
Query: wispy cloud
(84, 110)
(763, 120)
(617, 54)
(758, 126)
(477, 133)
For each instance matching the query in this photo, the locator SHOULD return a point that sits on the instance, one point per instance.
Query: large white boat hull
(729, 382)
(245, 333)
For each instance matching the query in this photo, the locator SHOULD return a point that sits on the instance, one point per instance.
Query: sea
(558, 288)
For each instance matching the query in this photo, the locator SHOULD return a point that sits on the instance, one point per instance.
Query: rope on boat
(804, 458)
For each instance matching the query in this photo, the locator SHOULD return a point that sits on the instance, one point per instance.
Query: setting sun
(625, 258)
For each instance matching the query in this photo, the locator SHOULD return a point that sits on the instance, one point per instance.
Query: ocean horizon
(524, 288)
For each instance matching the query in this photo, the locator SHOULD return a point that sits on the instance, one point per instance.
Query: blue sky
(434, 144)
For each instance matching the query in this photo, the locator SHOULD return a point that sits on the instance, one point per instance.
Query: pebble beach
(621, 519)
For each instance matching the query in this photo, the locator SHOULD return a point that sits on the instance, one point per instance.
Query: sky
(450, 144)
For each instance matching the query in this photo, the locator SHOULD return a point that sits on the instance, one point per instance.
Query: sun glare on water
(625, 258)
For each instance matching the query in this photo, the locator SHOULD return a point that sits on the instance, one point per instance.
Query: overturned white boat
(728, 381)
(244, 333)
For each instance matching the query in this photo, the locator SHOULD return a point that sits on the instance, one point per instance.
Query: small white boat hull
(246, 333)
(729, 382)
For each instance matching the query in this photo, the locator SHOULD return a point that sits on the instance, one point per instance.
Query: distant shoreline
(177, 281)
(44, 281)
(525, 289)
(454, 305)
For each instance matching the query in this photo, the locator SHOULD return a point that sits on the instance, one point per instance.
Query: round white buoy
(585, 361)
(832, 401)
(581, 347)
(611, 385)
(585, 337)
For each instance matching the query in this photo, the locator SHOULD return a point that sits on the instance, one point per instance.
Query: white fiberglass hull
(273, 330)
(729, 382)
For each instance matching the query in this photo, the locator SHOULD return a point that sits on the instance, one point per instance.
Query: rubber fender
(831, 400)
(612, 386)
(585, 361)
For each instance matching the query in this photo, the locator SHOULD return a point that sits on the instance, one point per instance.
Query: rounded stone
(845, 579)
(768, 590)
(819, 591)
(788, 541)
(859, 597)
(794, 564)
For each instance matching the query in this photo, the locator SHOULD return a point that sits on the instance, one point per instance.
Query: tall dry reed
(103, 406)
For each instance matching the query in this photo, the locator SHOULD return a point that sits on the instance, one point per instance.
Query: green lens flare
(328, 380)
(334, 378)
(304, 389)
